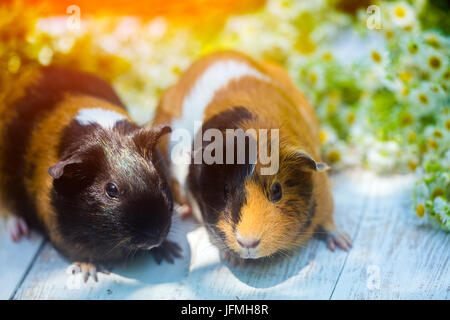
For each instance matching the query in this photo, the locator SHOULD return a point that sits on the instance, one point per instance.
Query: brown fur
(98, 189)
(43, 148)
(42, 151)
(13, 89)
(277, 104)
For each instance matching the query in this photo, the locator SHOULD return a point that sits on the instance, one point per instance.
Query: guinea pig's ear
(160, 130)
(57, 170)
(147, 139)
(306, 161)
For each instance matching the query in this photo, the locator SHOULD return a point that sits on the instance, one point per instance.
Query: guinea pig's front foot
(88, 270)
(17, 228)
(167, 251)
(338, 238)
(185, 211)
(233, 259)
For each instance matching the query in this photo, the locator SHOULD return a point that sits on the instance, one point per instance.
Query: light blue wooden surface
(394, 256)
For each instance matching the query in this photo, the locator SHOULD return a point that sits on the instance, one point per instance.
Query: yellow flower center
(331, 108)
(405, 76)
(438, 192)
(433, 144)
(423, 98)
(413, 48)
(434, 62)
(334, 95)
(313, 77)
(437, 133)
(420, 209)
(412, 165)
(405, 91)
(423, 147)
(350, 118)
(376, 57)
(327, 56)
(446, 75)
(400, 12)
(176, 70)
(389, 34)
(433, 41)
(406, 119)
(322, 136)
(334, 156)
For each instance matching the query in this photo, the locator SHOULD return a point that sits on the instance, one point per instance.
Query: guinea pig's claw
(87, 269)
(17, 228)
(340, 239)
(168, 251)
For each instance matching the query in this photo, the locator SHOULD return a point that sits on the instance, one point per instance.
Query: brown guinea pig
(249, 213)
(74, 164)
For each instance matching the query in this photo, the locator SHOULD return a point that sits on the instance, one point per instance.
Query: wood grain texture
(310, 273)
(394, 255)
(15, 259)
(411, 260)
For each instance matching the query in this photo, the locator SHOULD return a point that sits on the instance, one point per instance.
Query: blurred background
(377, 71)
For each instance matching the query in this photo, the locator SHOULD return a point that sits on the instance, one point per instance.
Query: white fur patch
(214, 78)
(105, 118)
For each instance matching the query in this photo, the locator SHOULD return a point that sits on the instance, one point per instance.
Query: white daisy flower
(402, 15)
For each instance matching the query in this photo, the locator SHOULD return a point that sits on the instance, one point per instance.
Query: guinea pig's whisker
(120, 243)
(130, 256)
(213, 209)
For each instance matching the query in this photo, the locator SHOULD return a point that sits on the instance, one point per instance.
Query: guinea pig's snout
(160, 232)
(153, 237)
(247, 242)
(151, 225)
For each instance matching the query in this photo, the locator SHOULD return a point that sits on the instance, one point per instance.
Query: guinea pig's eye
(226, 191)
(112, 191)
(276, 192)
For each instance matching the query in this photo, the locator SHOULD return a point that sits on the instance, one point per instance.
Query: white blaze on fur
(214, 78)
(104, 118)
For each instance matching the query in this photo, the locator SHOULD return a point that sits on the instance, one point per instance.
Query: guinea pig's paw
(17, 228)
(185, 211)
(233, 259)
(338, 238)
(168, 250)
(87, 269)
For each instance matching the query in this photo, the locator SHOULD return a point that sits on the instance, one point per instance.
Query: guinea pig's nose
(248, 243)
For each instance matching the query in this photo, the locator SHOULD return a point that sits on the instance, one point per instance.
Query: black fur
(91, 226)
(207, 182)
(40, 98)
(310, 216)
(96, 227)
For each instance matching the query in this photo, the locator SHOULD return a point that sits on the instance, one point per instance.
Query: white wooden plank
(394, 255)
(310, 273)
(49, 279)
(15, 259)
